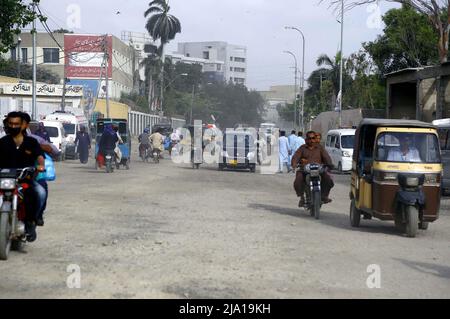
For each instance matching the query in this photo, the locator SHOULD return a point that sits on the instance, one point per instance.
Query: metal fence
(138, 121)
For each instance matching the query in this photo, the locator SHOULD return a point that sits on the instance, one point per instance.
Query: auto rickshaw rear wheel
(355, 214)
(412, 220)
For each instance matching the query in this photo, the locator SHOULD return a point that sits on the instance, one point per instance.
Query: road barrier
(138, 121)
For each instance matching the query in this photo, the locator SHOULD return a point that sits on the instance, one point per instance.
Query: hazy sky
(257, 24)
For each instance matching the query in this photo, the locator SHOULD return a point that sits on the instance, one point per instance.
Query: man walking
(284, 152)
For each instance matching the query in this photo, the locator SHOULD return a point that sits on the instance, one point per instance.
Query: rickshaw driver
(311, 152)
(405, 153)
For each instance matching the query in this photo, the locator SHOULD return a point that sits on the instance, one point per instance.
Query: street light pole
(342, 64)
(295, 88)
(34, 102)
(303, 77)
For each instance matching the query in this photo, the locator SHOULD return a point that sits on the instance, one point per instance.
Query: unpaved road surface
(168, 231)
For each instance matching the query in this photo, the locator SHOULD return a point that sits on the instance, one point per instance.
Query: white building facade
(234, 57)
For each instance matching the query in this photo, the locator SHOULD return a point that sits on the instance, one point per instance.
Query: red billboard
(84, 55)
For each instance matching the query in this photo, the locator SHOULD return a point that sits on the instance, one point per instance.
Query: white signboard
(86, 59)
(42, 89)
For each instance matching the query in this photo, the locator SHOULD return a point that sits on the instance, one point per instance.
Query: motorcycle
(12, 209)
(313, 200)
(156, 155)
(145, 152)
(110, 161)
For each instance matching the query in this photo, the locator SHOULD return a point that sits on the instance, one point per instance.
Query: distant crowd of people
(287, 148)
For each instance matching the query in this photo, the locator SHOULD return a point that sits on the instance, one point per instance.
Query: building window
(231, 58)
(206, 55)
(239, 70)
(13, 54)
(188, 55)
(24, 56)
(231, 79)
(51, 55)
(239, 60)
(231, 69)
(219, 67)
(239, 80)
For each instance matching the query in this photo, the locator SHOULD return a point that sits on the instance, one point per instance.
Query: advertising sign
(85, 55)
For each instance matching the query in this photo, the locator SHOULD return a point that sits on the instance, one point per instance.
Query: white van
(72, 124)
(55, 130)
(339, 144)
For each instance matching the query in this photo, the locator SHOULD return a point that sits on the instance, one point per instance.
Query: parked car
(72, 124)
(339, 145)
(58, 136)
(444, 139)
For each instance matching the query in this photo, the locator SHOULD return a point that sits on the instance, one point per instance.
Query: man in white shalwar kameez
(284, 152)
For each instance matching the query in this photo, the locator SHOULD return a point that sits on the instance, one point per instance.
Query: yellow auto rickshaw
(396, 173)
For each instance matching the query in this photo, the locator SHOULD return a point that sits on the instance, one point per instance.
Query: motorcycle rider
(46, 147)
(309, 153)
(144, 142)
(107, 143)
(157, 141)
(19, 151)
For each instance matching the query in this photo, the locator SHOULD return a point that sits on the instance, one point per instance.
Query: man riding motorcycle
(144, 142)
(19, 151)
(312, 152)
(157, 141)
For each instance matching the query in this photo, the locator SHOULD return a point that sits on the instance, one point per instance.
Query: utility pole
(33, 104)
(63, 102)
(192, 102)
(19, 40)
(342, 64)
(106, 59)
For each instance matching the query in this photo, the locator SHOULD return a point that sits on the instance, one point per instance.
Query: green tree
(408, 40)
(161, 26)
(15, 14)
(62, 30)
(437, 14)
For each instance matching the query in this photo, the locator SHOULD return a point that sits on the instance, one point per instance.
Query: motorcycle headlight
(308, 168)
(250, 155)
(314, 173)
(8, 183)
(225, 154)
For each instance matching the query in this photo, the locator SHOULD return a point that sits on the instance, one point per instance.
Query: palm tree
(161, 26)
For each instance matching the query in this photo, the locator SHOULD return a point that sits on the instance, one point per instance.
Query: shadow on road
(336, 220)
(427, 268)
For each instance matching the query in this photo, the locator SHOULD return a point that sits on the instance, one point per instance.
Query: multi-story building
(79, 58)
(234, 57)
(213, 70)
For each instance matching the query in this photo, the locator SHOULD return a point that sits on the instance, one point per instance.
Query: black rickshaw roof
(395, 123)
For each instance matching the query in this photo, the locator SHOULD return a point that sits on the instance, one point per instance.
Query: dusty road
(167, 231)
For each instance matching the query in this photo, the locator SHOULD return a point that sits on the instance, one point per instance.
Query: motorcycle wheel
(316, 202)
(108, 167)
(5, 236)
(412, 221)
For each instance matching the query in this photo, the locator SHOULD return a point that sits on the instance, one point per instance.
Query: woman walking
(83, 142)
